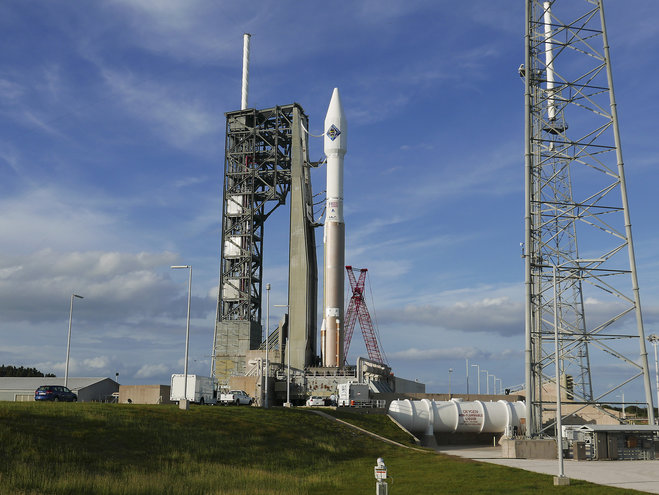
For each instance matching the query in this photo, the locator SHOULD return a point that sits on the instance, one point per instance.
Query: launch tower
(266, 158)
(578, 239)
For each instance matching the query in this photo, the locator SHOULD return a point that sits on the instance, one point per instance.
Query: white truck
(236, 397)
(353, 394)
(200, 389)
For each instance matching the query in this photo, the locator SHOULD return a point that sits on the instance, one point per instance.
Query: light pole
(623, 414)
(654, 339)
(288, 376)
(267, 337)
(478, 373)
(494, 384)
(68, 341)
(450, 370)
(561, 479)
(288, 371)
(500, 385)
(559, 433)
(184, 403)
(467, 360)
(487, 381)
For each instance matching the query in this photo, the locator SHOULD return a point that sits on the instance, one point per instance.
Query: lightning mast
(576, 203)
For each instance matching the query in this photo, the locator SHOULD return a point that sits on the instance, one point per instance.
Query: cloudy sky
(111, 155)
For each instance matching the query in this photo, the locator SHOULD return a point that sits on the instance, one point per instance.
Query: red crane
(357, 309)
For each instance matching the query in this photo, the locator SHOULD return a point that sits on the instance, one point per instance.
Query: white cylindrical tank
(429, 416)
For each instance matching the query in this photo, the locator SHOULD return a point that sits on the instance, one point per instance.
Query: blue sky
(111, 154)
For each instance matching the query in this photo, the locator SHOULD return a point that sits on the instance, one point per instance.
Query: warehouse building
(18, 389)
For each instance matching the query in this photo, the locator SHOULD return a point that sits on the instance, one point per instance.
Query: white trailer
(353, 394)
(200, 389)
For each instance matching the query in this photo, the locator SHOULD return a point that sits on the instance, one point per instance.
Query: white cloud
(114, 284)
(501, 316)
(46, 217)
(10, 91)
(152, 370)
(99, 362)
(181, 120)
(416, 354)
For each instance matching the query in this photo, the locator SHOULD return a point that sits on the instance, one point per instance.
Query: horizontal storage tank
(428, 416)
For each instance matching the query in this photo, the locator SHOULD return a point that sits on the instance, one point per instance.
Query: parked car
(236, 397)
(55, 393)
(315, 401)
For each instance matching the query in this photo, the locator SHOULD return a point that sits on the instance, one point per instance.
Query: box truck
(353, 394)
(200, 389)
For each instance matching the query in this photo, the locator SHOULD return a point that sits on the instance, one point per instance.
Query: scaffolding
(265, 160)
(578, 240)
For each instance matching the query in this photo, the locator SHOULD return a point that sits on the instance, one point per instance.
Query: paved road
(633, 475)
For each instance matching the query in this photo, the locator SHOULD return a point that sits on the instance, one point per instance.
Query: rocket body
(335, 147)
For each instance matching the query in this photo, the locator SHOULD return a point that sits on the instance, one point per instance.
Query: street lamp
(267, 337)
(450, 370)
(478, 372)
(624, 413)
(654, 340)
(562, 479)
(494, 384)
(288, 368)
(184, 403)
(467, 360)
(68, 341)
(288, 376)
(487, 381)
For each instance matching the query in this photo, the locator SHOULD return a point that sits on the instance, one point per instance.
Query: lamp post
(288, 376)
(494, 384)
(467, 360)
(559, 433)
(622, 414)
(267, 338)
(487, 381)
(561, 479)
(478, 373)
(450, 371)
(183, 404)
(68, 341)
(654, 340)
(288, 370)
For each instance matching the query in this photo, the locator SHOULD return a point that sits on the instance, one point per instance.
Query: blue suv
(55, 393)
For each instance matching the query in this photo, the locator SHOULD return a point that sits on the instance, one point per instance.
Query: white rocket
(335, 147)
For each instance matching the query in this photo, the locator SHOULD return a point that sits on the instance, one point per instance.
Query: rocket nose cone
(335, 107)
(336, 126)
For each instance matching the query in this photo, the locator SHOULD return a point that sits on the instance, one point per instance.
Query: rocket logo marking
(333, 132)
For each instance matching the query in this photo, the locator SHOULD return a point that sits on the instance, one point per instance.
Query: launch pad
(266, 161)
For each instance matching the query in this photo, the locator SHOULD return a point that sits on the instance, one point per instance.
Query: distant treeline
(22, 371)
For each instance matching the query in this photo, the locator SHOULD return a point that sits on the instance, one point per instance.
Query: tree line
(22, 371)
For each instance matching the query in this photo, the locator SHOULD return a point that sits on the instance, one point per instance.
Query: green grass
(376, 423)
(66, 448)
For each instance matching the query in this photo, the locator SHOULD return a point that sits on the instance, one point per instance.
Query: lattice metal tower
(266, 157)
(357, 309)
(577, 218)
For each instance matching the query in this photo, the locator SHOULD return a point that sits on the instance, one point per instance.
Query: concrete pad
(633, 475)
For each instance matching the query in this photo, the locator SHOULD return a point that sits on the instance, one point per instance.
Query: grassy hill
(71, 448)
